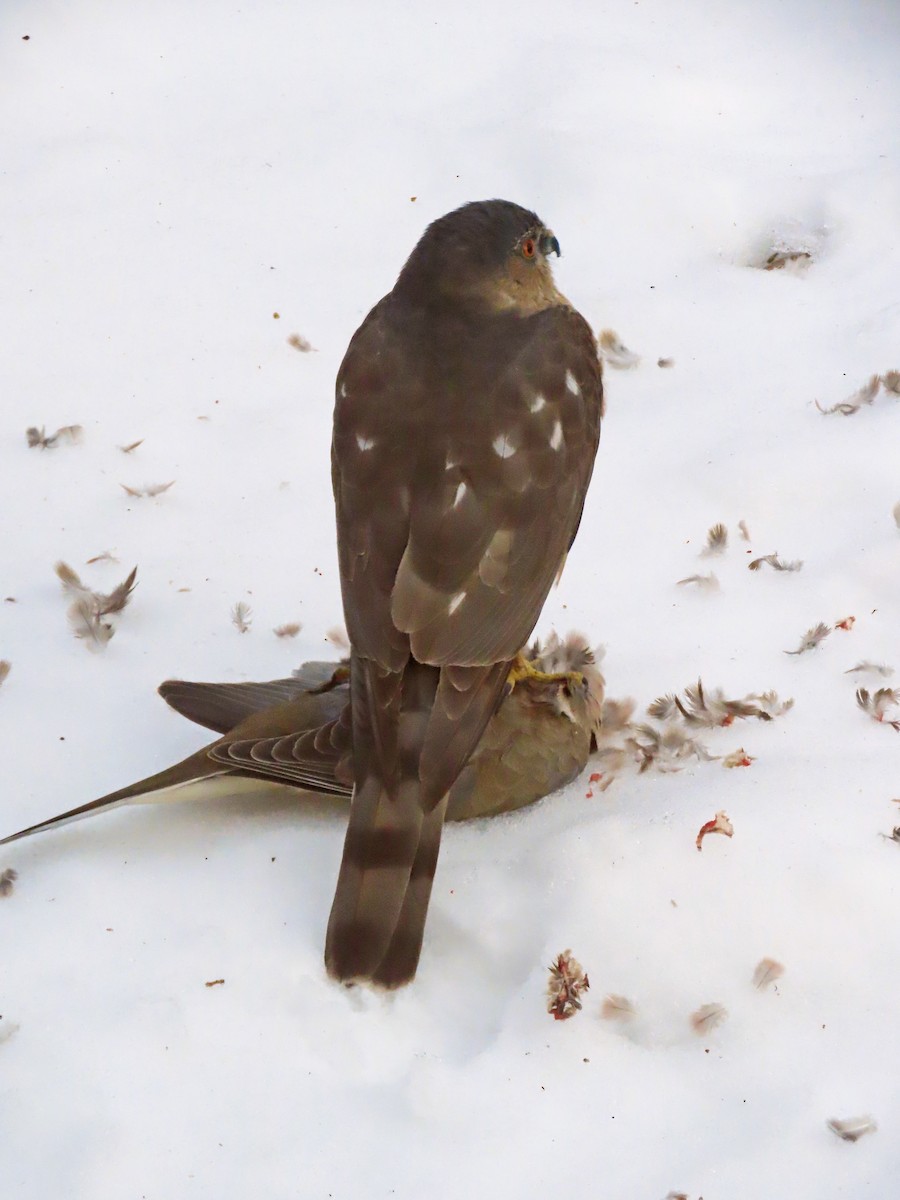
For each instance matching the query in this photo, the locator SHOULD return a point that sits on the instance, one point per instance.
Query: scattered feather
(706, 583)
(566, 984)
(767, 971)
(614, 351)
(8, 881)
(894, 835)
(39, 437)
(677, 1196)
(132, 446)
(891, 382)
(770, 706)
(719, 824)
(149, 489)
(663, 708)
(5, 668)
(88, 608)
(617, 716)
(738, 758)
(300, 343)
(812, 638)
(871, 668)
(617, 1008)
(709, 709)
(865, 395)
(776, 563)
(610, 747)
(878, 705)
(667, 750)
(851, 1129)
(896, 512)
(214, 982)
(106, 556)
(114, 602)
(716, 541)
(86, 625)
(780, 258)
(792, 248)
(337, 635)
(845, 623)
(241, 616)
(665, 362)
(708, 1018)
(744, 531)
(615, 759)
(290, 630)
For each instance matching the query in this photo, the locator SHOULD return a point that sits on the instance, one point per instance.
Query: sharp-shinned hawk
(466, 424)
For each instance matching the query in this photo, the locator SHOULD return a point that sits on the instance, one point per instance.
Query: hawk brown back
(466, 424)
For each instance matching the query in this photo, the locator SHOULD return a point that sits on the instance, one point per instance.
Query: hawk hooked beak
(547, 243)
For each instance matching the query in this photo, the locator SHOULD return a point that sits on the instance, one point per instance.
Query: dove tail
(190, 770)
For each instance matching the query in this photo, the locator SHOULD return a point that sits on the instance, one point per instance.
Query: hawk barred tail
(415, 730)
(466, 424)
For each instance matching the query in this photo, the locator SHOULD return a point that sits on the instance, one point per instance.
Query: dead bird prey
(295, 735)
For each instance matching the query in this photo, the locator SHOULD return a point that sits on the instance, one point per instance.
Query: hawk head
(489, 254)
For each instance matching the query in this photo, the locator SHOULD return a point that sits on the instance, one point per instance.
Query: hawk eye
(529, 248)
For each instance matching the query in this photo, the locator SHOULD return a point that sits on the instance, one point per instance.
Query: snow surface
(172, 176)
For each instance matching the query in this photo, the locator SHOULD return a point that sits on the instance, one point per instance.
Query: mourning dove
(538, 740)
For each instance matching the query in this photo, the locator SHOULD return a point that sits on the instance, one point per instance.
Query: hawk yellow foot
(340, 676)
(524, 671)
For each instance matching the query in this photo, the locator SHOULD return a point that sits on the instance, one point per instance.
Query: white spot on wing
(365, 443)
(460, 493)
(450, 463)
(343, 390)
(494, 564)
(572, 384)
(502, 448)
(556, 437)
(455, 603)
(537, 403)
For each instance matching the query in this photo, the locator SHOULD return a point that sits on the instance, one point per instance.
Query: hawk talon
(340, 676)
(524, 671)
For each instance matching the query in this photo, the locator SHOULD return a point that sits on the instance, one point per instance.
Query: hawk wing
(459, 487)
(459, 494)
(498, 508)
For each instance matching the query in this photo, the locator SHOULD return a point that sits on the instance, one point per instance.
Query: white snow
(173, 175)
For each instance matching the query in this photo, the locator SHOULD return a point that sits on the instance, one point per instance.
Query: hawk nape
(466, 423)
